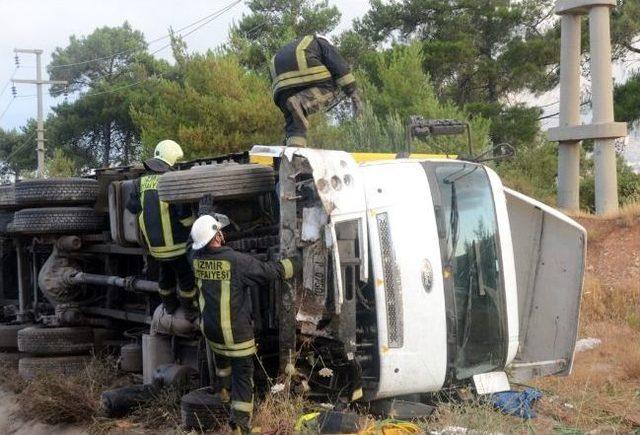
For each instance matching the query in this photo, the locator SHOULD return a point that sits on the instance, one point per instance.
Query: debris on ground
(587, 344)
(518, 403)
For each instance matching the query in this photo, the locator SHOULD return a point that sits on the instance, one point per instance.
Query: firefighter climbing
(309, 75)
(165, 228)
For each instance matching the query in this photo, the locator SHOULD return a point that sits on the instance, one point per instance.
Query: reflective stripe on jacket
(308, 61)
(225, 278)
(165, 227)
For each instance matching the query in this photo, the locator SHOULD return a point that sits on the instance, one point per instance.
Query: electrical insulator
(17, 59)
(66, 93)
(14, 91)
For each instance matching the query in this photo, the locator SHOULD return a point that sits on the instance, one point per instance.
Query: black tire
(9, 334)
(56, 191)
(57, 220)
(223, 181)
(202, 410)
(55, 341)
(6, 217)
(8, 197)
(29, 367)
(9, 360)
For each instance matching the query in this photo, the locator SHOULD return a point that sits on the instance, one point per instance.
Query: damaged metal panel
(337, 180)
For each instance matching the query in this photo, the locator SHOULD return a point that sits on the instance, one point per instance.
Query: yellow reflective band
(188, 221)
(167, 291)
(345, 80)
(200, 295)
(223, 373)
(225, 312)
(301, 56)
(242, 406)
(165, 218)
(296, 141)
(357, 394)
(236, 346)
(294, 74)
(167, 251)
(302, 80)
(288, 268)
(188, 294)
(235, 353)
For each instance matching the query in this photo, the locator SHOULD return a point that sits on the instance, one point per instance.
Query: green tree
(627, 100)
(274, 23)
(60, 165)
(102, 69)
(477, 53)
(17, 151)
(396, 87)
(206, 114)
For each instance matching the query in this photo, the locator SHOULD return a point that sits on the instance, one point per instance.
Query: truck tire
(8, 197)
(57, 220)
(29, 367)
(9, 334)
(203, 410)
(56, 191)
(6, 217)
(222, 181)
(55, 341)
(9, 360)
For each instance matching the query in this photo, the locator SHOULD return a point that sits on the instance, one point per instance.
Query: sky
(47, 24)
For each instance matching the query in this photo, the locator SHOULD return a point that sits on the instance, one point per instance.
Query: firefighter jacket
(311, 60)
(224, 278)
(165, 226)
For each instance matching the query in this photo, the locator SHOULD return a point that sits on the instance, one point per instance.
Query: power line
(214, 15)
(7, 108)
(130, 85)
(21, 147)
(6, 86)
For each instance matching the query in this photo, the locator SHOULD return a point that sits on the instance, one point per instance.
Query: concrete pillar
(602, 102)
(569, 151)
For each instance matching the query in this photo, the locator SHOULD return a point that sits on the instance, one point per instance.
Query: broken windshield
(472, 267)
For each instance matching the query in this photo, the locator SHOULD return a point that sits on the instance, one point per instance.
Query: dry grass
(278, 413)
(601, 302)
(627, 214)
(161, 412)
(59, 399)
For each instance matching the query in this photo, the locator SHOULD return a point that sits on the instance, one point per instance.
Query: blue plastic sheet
(518, 403)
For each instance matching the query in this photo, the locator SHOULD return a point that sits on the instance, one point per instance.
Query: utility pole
(38, 82)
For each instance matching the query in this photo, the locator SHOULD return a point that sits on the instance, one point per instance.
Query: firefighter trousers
(176, 274)
(297, 107)
(236, 373)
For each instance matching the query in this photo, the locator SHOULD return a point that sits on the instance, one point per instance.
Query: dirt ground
(602, 395)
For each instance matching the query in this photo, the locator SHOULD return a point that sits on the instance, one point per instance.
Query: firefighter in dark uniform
(165, 229)
(224, 277)
(308, 75)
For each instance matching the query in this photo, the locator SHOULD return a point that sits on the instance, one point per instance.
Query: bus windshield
(472, 267)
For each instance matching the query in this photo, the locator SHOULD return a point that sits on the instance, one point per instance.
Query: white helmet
(205, 228)
(168, 151)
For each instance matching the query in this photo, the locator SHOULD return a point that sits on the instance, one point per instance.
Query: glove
(357, 106)
(291, 266)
